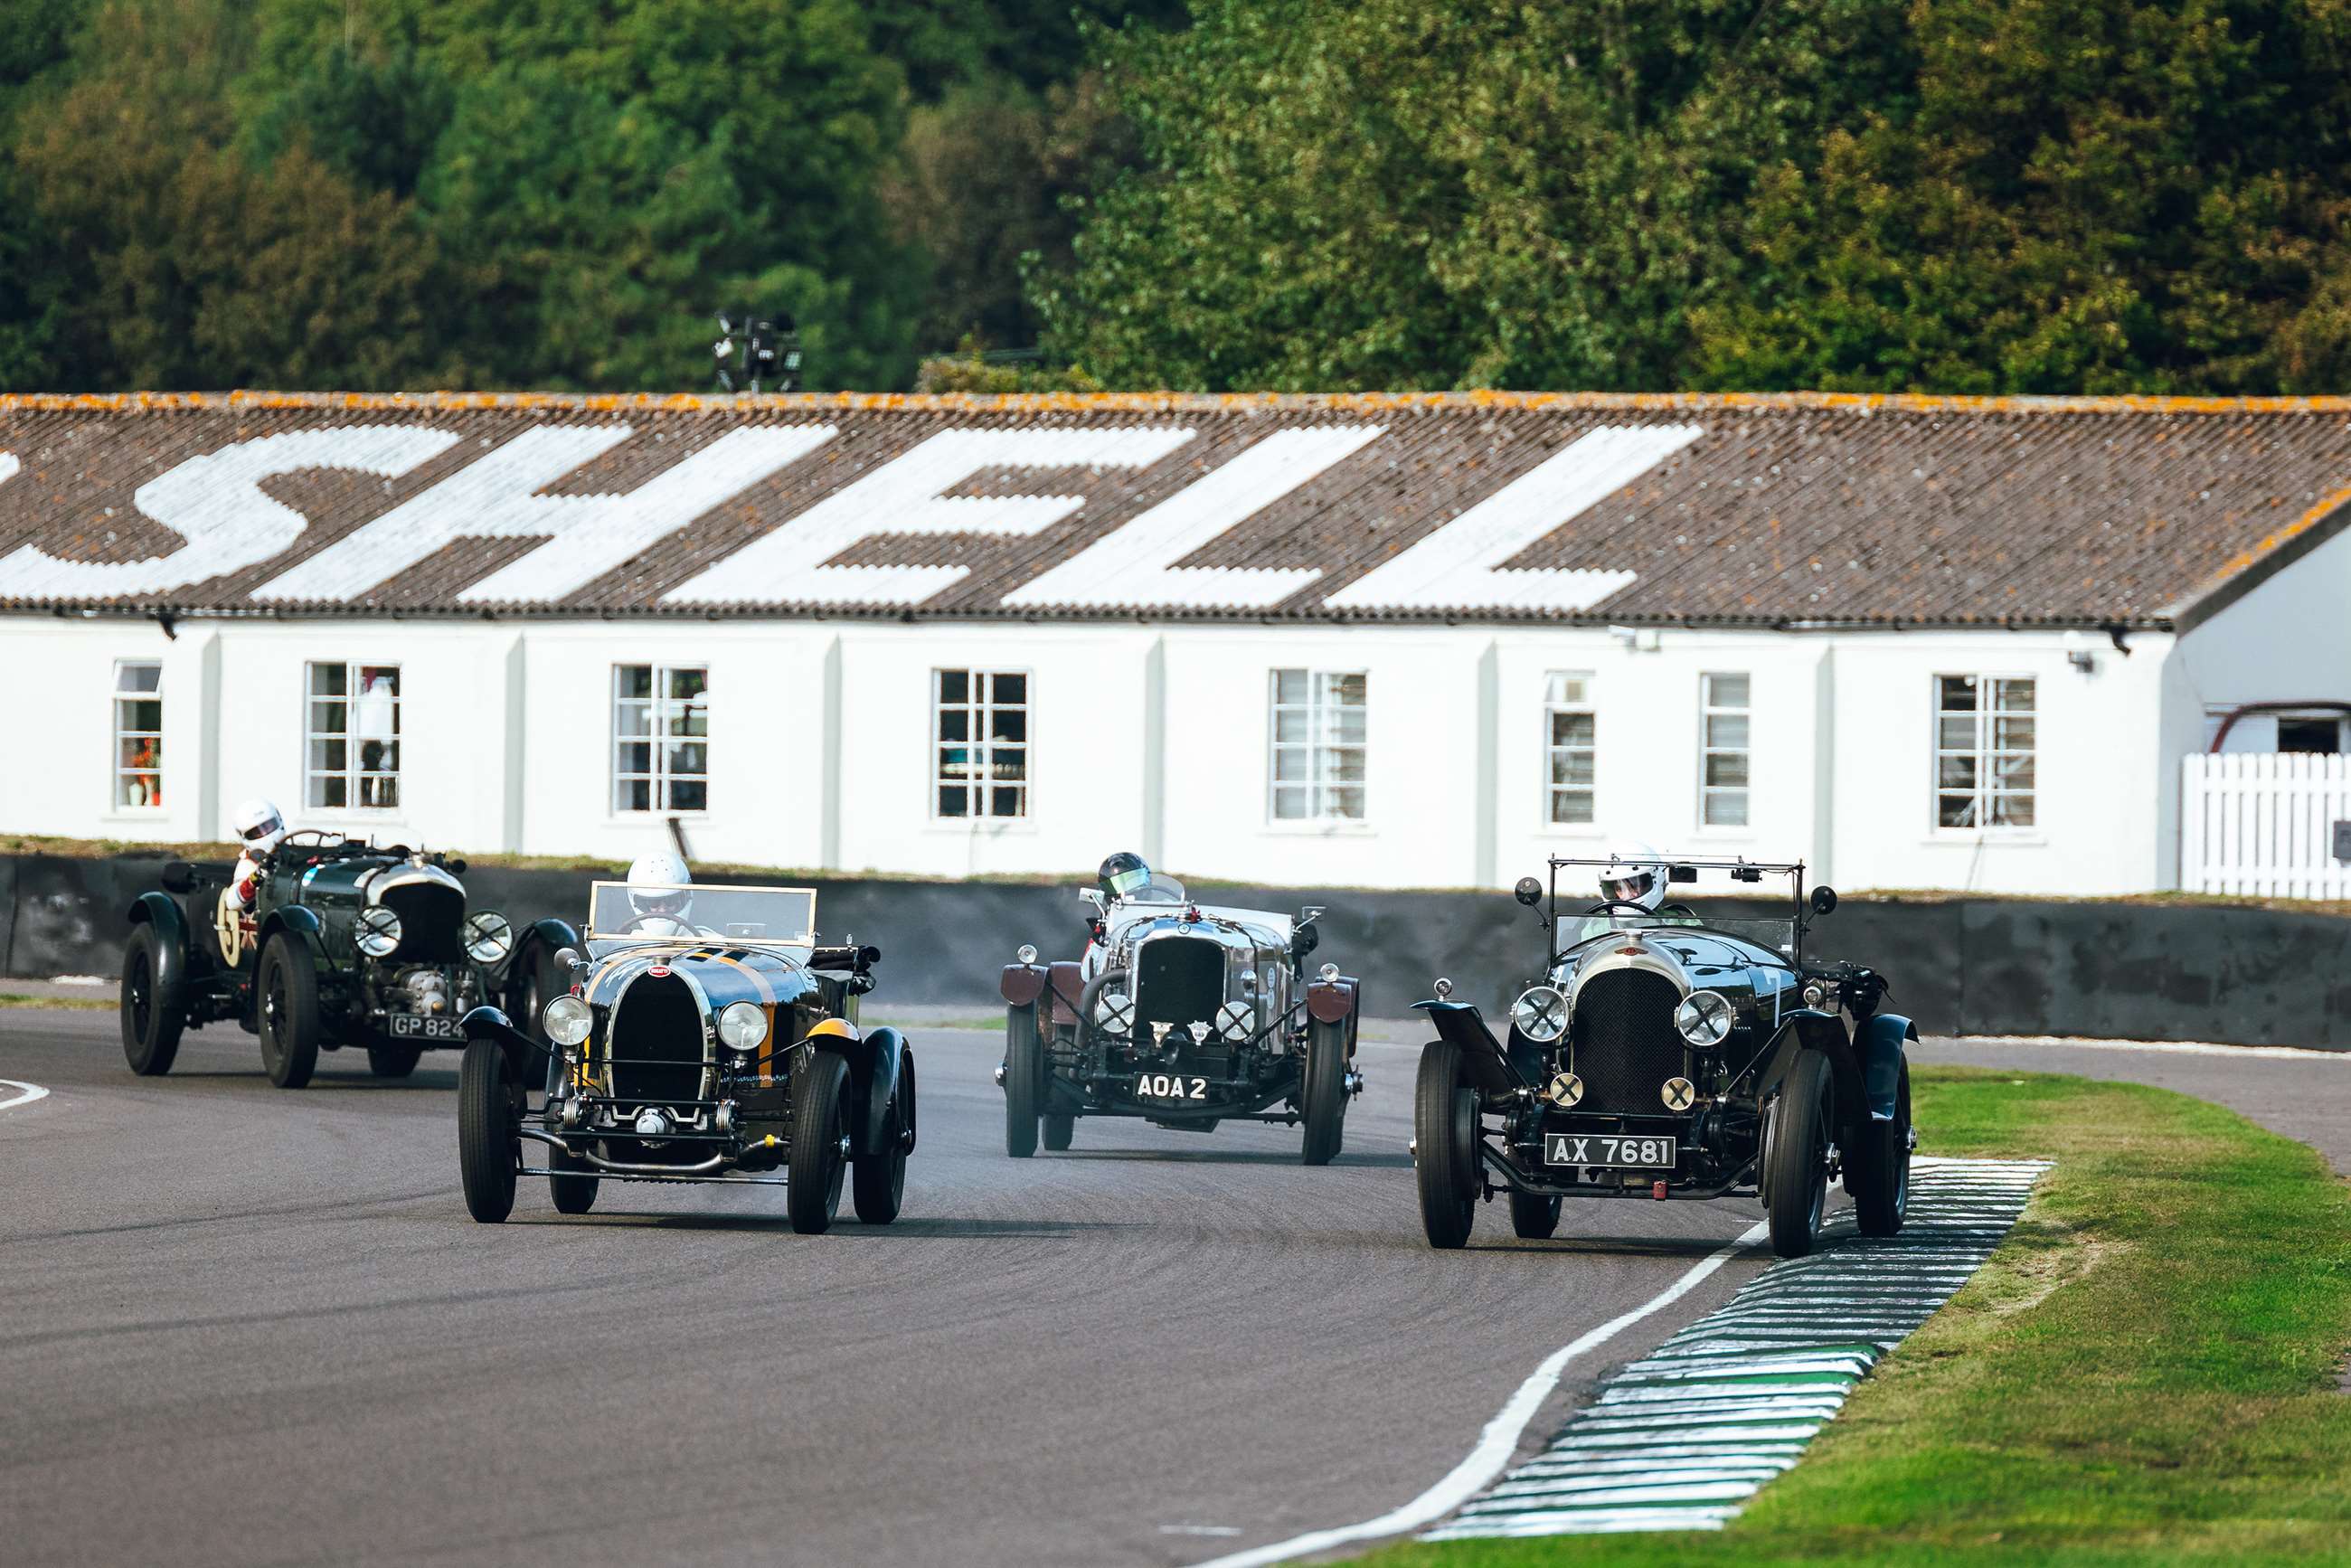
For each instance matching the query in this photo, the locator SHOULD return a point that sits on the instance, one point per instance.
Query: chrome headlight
(378, 931)
(1329, 972)
(1704, 1018)
(1236, 1020)
(742, 1026)
(488, 937)
(1026, 952)
(1539, 1014)
(567, 1020)
(1114, 1011)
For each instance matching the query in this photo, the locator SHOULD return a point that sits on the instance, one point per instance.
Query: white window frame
(1708, 710)
(1320, 787)
(117, 774)
(1553, 709)
(353, 772)
(979, 711)
(660, 708)
(1984, 753)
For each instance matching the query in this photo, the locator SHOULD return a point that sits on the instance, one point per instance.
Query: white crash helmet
(652, 889)
(260, 827)
(1637, 877)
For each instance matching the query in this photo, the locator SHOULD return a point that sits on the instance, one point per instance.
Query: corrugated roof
(1709, 510)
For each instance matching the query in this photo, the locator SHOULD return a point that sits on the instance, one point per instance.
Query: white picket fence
(2264, 823)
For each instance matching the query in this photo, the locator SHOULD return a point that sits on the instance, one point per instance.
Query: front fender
(1022, 984)
(162, 912)
(554, 933)
(1487, 1064)
(1809, 1029)
(1880, 1044)
(882, 1061)
(490, 1024)
(304, 923)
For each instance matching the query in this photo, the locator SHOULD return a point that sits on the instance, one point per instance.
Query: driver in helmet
(260, 829)
(659, 896)
(1635, 874)
(1123, 875)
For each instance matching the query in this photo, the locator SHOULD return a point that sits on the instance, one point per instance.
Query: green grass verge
(2146, 1371)
(105, 1003)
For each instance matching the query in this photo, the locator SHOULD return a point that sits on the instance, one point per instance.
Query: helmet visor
(1127, 883)
(662, 901)
(1633, 889)
(261, 829)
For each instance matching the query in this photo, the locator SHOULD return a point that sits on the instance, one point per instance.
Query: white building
(1403, 642)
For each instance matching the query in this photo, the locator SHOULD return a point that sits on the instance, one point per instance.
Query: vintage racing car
(704, 1037)
(1186, 1015)
(1662, 1054)
(346, 944)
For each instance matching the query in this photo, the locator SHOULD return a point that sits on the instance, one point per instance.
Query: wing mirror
(178, 877)
(1823, 900)
(1529, 891)
(1303, 940)
(455, 863)
(1090, 895)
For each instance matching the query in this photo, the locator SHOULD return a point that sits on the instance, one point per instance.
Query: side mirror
(456, 865)
(1090, 895)
(568, 960)
(1529, 891)
(1309, 915)
(1681, 874)
(1823, 900)
(178, 877)
(1304, 940)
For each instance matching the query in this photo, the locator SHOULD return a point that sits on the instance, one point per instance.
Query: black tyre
(1024, 1081)
(572, 1193)
(487, 1145)
(393, 1061)
(1323, 1096)
(1060, 1130)
(287, 1008)
(877, 1183)
(1445, 1146)
(1796, 1155)
(820, 1133)
(538, 985)
(1877, 1166)
(152, 1018)
(1532, 1217)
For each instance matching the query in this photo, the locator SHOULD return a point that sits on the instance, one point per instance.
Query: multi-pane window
(1318, 746)
(1568, 727)
(979, 743)
(351, 750)
(1723, 750)
(1984, 751)
(138, 735)
(661, 737)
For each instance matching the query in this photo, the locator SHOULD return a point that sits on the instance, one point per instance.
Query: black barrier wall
(2116, 971)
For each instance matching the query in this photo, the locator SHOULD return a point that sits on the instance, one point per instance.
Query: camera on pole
(764, 350)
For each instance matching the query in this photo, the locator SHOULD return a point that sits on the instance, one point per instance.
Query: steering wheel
(1608, 904)
(638, 920)
(1678, 909)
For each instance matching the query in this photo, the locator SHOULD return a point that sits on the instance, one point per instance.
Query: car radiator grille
(430, 918)
(1625, 1042)
(654, 1042)
(1178, 980)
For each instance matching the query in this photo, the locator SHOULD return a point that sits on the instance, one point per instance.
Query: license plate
(1170, 1086)
(418, 1026)
(1613, 1150)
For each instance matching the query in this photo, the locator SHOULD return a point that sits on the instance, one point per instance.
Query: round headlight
(1113, 1011)
(1330, 972)
(742, 1026)
(1704, 1018)
(378, 931)
(567, 1020)
(1236, 1019)
(1539, 1014)
(488, 937)
(1026, 952)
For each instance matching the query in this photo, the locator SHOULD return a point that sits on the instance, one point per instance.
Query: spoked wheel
(487, 1148)
(819, 1144)
(1323, 1095)
(1533, 1217)
(151, 1018)
(1445, 1146)
(878, 1180)
(393, 1061)
(289, 1012)
(1877, 1166)
(1796, 1156)
(1024, 1081)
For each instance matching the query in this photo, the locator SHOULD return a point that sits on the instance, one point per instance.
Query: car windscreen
(1778, 936)
(674, 912)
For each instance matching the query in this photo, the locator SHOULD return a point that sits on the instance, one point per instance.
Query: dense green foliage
(1962, 195)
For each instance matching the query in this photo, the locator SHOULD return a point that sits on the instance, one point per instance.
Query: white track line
(26, 1093)
(1499, 1441)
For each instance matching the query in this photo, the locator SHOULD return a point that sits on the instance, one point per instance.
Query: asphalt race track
(249, 1326)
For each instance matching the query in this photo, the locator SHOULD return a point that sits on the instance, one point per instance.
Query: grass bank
(103, 1004)
(2147, 1371)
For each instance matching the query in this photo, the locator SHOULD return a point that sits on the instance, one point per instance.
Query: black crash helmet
(1123, 875)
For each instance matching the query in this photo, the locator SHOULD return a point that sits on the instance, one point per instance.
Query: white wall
(506, 744)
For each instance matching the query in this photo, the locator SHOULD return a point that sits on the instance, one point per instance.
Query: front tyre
(1059, 1130)
(1877, 1166)
(1445, 1146)
(1796, 1160)
(878, 1180)
(393, 1061)
(488, 1149)
(152, 1017)
(1322, 1097)
(572, 1193)
(288, 1006)
(1533, 1217)
(1024, 1081)
(820, 1140)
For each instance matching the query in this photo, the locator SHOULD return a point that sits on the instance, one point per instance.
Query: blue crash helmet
(1123, 875)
